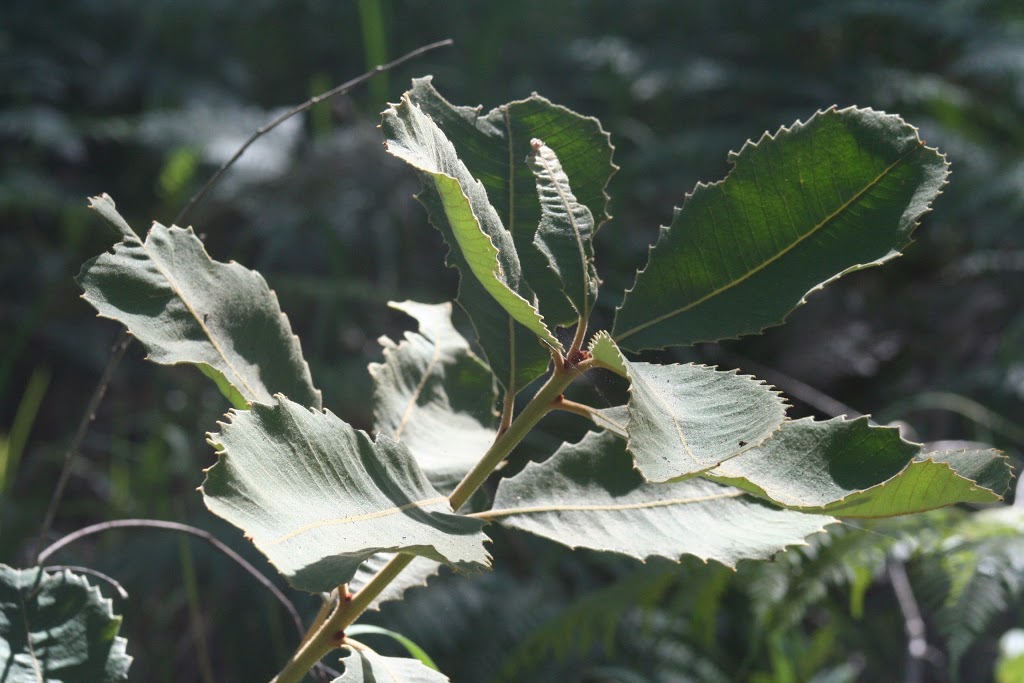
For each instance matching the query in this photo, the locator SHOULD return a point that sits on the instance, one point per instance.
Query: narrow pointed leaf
(588, 495)
(686, 419)
(55, 627)
(434, 395)
(187, 308)
(850, 468)
(495, 146)
(318, 497)
(481, 247)
(366, 666)
(800, 208)
(566, 232)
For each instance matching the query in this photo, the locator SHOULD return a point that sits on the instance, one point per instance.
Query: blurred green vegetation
(142, 99)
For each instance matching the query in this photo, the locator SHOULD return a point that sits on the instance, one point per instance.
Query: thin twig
(116, 354)
(121, 592)
(913, 623)
(308, 104)
(186, 529)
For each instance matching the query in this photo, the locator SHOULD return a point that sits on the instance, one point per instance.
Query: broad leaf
(566, 232)
(686, 419)
(318, 497)
(416, 575)
(850, 468)
(55, 627)
(588, 495)
(495, 146)
(366, 666)
(435, 396)
(799, 209)
(481, 248)
(186, 308)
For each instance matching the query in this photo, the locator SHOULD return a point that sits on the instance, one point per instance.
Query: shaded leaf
(55, 627)
(566, 232)
(366, 666)
(186, 308)
(414, 650)
(318, 497)
(481, 248)
(799, 209)
(435, 396)
(495, 146)
(416, 575)
(685, 419)
(588, 495)
(850, 468)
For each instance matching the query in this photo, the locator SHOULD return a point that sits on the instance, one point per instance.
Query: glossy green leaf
(186, 308)
(566, 232)
(434, 395)
(318, 497)
(495, 147)
(481, 248)
(685, 419)
(800, 208)
(364, 665)
(850, 468)
(55, 627)
(588, 495)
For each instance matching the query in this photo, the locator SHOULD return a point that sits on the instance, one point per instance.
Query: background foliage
(141, 99)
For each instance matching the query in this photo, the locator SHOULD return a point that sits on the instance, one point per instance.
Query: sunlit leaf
(186, 308)
(481, 247)
(588, 495)
(850, 468)
(318, 497)
(686, 419)
(55, 627)
(800, 208)
(566, 232)
(435, 396)
(366, 666)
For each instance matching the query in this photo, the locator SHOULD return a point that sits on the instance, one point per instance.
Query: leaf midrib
(337, 521)
(510, 512)
(753, 271)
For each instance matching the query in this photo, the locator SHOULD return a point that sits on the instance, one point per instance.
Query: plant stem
(326, 637)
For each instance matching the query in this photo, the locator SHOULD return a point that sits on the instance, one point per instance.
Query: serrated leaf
(416, 575)
(481, 247)
(850, 468)
(187, 308)
(588, 495)
(366, 666)
(800, 208)
(434, 395)
(495, 146)
(566, 232)
(318, 497)
(55, 627)
(685, 419)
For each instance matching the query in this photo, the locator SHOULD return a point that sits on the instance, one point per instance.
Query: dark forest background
(143, 99)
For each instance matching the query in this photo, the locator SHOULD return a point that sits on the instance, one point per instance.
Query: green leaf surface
(186, 308)
(800, 208)
(435, 395)
(55, 627)
(481, 248)
(588, 495)
(414, 650)
(318, 497)
(495, 147)
(366, 666)
(850, 468)
(566, 232)
(685, 419)
(416, 575)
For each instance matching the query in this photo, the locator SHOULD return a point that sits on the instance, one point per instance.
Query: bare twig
(913, 623)
(308, 104)
(186, 529)
(116, 354)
